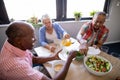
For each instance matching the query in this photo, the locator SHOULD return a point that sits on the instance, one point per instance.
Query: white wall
(72, 27)
(113, 22)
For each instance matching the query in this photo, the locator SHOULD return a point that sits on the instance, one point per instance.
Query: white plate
(63, 56)
(93, 51)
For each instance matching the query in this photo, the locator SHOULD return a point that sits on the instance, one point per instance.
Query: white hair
(99, 13)
(45, 16)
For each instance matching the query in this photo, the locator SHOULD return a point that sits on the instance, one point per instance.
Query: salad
(78, 56)
(98, 64)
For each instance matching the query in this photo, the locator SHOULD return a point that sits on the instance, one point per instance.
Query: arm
(103, 38)
(62, 74)
(99, 44)
(81, 32)
(40, 60)
(42, 35)
(83, 43)
(60, 31)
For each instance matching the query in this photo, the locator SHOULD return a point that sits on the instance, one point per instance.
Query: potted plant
(92, 13)
(33, 20)
(77, 15)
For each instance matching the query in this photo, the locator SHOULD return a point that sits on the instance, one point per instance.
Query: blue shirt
(42, 33)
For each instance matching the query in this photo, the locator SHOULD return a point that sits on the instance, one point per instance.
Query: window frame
(3, 14)
(62, 8)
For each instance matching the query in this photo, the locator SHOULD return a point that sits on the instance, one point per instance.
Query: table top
(77, 70)
(40, 50)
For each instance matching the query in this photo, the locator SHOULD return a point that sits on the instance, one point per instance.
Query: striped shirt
(91, 36)
(16, 64)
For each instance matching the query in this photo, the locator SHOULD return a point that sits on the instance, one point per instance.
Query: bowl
(58, 64)
(97, 65)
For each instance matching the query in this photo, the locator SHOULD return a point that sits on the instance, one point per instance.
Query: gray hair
(99, 13)
(45, 16)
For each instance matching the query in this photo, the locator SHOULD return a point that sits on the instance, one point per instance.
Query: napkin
(93, 51)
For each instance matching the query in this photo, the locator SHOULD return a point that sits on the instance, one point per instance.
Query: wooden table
(77, 70)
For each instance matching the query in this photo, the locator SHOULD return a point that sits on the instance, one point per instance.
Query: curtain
(61, 6)
(3, 14)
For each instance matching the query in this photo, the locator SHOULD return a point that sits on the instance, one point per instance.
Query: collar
(14, 50)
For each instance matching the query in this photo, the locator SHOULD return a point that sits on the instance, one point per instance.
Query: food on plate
(66, 42)
(79, 56)
(58, 67)
(98, 64)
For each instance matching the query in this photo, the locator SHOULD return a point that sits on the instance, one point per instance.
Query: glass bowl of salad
(97, 65)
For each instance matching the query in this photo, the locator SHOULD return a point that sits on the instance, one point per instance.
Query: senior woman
(50, 32)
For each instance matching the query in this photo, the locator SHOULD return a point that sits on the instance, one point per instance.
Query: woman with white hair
(50, 32)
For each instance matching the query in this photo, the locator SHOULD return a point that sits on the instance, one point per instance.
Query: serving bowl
(97, 65)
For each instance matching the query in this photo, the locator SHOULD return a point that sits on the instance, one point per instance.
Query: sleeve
(60, 31)
(81, 32)
(42, 38)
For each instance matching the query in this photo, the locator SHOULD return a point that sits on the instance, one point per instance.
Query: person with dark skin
(118, 78)
(93, 33)
(16, 59)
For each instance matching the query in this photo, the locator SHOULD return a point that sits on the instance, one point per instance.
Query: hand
(83, 46)
(118, 78)
(56, 55)
(52, 49)
(95, 46)
(72, 54)
(84, 50)
(67, 36)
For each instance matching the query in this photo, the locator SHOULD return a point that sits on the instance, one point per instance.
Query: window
(84, 6)
(59, 10)
(66, 8)
(24, 9)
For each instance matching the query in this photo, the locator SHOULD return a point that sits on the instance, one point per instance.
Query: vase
(77, 19)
